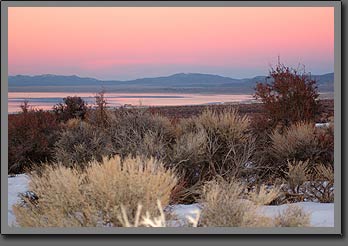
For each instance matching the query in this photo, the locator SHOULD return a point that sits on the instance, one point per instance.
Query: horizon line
(86, 77)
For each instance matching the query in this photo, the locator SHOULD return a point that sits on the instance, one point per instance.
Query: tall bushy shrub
(72, 107)
(80, 143)
(300, 142)
(214, 143)
(289, 96)
(99, 116)
(31, 138)
(137, 132)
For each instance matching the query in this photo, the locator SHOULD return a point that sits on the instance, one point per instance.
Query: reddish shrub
(31, 136)
(289, 97)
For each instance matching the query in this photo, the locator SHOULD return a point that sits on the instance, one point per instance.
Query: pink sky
(133, 42)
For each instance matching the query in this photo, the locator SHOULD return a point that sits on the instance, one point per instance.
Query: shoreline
(183, 111)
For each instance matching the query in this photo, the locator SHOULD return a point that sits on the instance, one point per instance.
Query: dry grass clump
(189, 154)
(93, 197)
(321, 188)
(325, 172)
(293, 216)
(72, 123)
(213, 143)
(80, 143)
(154, 144)
(60, 204)
(227, 123)
(288, 143)
(316, 184)
(326, 139)
(298, 142)
(136, 132)
(305, 184)
(223, 206)
(297, 174)
(264, 196)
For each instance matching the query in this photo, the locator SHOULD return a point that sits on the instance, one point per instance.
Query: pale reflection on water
(44, 100)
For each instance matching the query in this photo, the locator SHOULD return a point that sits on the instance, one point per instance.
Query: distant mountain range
(176, 83)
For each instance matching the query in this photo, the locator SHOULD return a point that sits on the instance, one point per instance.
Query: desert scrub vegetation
(321, 186)
(303, 142)
(300, 142)
(289, 96)
(222, 205)
(72, 107)
(213, 143)
(227, 204)
(296, 142)
(137, 132)
(297, 174)
(79, 143)
(94, 196)
(292, 216)
(264, 195)
(31, 137)
(302, 183)
(326, 139)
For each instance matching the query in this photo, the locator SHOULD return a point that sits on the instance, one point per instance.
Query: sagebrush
(80, 143)
(213, 143)
(93, 196)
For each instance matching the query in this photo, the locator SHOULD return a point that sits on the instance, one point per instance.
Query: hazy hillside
(179, 83)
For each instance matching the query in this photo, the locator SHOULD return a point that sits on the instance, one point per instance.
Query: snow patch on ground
(17, 184)
(181, 212)
(322, 214)
(322, 125)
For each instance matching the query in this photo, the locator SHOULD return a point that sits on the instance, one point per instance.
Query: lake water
(44, 100)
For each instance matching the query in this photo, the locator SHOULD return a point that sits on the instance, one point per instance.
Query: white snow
(322, 125)
(181, 212)
(322, 214)
(16, 185)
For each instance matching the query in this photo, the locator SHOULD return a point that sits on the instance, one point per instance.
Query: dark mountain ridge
(180, 83)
